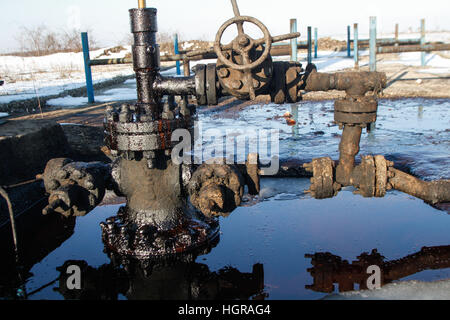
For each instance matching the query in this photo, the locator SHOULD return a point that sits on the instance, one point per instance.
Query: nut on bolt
(223, 72)
(236, 84)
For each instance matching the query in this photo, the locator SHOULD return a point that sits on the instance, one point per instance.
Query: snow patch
(404, 290)
(118, 94)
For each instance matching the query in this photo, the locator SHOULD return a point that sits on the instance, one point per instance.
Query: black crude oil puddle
(262, 247)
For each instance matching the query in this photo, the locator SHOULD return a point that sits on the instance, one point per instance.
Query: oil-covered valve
(244, 66)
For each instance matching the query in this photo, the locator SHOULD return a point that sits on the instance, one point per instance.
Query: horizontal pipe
(386, 41)
(175, 86)
(102, 62)
(415, 48)
(430, 191)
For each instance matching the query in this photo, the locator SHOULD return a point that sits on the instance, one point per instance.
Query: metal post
(355, 45)
(396, 32)
(316, 43)
(309, 46)
(87, 67)
(373, 44)
(422, 41)
(177, 51)
(294, 47)
(348, 41)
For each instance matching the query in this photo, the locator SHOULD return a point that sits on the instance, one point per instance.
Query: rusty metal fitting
(216, 189)
(323, 184)
(75, 188)
(360, 110)
(433, 192)
(354, 83)
(371, 176)
(348, 149)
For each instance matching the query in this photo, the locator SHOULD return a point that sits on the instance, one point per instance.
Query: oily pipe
(430, 191)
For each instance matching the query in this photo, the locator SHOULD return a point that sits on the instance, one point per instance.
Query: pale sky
(195, 19)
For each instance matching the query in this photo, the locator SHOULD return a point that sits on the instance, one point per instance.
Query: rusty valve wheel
(243, 43)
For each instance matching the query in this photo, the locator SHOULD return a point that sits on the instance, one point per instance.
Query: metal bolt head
(62, 174)
(243, 41)
(223, 72)
(236, 84)
(77, 174)
(89, 185)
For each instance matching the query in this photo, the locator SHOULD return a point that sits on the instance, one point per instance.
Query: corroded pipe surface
(354, 83)
(432, 191)
(349, 148)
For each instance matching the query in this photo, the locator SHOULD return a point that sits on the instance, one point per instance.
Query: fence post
(348, 42)
(294, 46)
(316, 43)
(87, 67)
(396, 34)
(373, 44)
(422, 41)
(177, 51)
(355, 45)
(309, 46)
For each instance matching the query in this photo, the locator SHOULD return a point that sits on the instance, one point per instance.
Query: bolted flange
(323, 183)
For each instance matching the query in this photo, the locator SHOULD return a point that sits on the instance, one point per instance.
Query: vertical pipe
(87, 67)
(294, 46)
(348, 149)
(177, 51)
(373, 44)
(348, 42)
(141, 4)
(316, 42)
(187, 68)
(146, 63)
(309, 46)
(355, 45)
(422, 41)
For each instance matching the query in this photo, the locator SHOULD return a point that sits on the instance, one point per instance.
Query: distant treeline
(41, 41)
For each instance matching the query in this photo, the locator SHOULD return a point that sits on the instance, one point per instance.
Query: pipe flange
(356, 110)
(293, 81)
(216, 189)
(75, 188)
(371, 177)
(323, 183)
(200, 84)
(146, 241)
(211, 81)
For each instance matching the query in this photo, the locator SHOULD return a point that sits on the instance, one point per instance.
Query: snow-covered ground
(402, 290)
(27, 77)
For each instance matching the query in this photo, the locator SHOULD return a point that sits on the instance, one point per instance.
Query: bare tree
(42, 41)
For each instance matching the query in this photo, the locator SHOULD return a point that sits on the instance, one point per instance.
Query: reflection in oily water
(176, 278)
(329, 269)
(35, 245)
